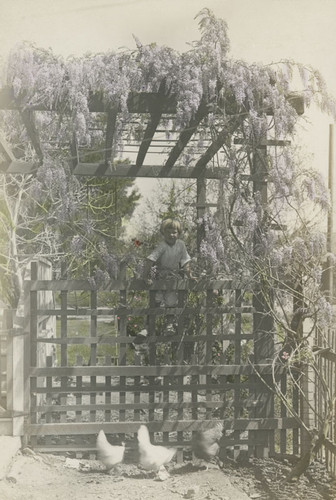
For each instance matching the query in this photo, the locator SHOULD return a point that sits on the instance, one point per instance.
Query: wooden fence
(175, 382)
(327, 370)
(3, 360)
(12, 350)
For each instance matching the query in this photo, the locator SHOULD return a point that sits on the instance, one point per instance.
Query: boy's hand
(192, 278)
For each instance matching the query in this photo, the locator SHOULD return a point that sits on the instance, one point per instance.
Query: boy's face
(170, 235)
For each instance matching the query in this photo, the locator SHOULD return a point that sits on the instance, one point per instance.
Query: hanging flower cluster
(212, 246)
(36, 75)
(204, 73)
(250, 98)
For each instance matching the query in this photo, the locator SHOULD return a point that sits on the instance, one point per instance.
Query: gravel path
(34, 476)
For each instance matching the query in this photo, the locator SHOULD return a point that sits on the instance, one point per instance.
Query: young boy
(170, 257)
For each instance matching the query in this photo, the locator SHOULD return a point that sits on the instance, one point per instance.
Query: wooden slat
(22, 167)
(64, 351)
(65, 449)
(6, 153)
(33, 317)
(93, 355)
(72, 285)
(138, 312)
(79, 385)
(146, 141)
(33, 350)
(330, 355)
(64, 328)
(138, 406)
(61, 285)
(27, 116)
(263, 143)
(145, 171)
(132, 371)
(180, 396)
(122, 359)
(115, 340)
(185, 444)
(184, 137)
(110, 134)
(107, 394)
(160, 426)
(209, 344)
(237, 358)
(48, 399)
(151, 358)
(74, 152)
(151, 386)
(283, 414)
(222, 137)
(155, 117)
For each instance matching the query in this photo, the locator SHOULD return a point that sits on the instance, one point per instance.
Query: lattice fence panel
(176, 381)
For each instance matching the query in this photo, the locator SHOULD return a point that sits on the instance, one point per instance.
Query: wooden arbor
(150, 108)
(151, 111)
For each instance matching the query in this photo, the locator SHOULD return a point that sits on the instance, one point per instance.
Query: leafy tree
(11, 266)
(54, 214)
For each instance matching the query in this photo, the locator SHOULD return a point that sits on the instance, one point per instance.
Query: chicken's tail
(101, 440)
(143, 435)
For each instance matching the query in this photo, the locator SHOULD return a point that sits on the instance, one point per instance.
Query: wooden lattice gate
(181, 383)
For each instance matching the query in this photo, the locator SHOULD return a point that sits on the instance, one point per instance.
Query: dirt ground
(34, 476)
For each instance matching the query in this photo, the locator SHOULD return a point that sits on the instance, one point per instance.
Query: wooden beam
(7, 99)
(137, 102)
(263, 143)
(110, 134)
(222, 138)
(151, 102)
(296, 101)
(86, 428)
(6, 154)
(185, 135)
(134, 370)
(130, 171)
(15, 375)
(155, 171)
(74, 151)
(8, 162)
(148, 136)
(155, 117)
(22, 167)
(27, 116)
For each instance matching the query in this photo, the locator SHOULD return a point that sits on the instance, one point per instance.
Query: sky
(262, 31)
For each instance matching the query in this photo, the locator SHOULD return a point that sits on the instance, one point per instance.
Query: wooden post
(327, 281)
(15, 373)
(308, 398)
(262, 322)
(122, 360)
(263, 326)
(32, 381)
(200, 204)
(200, 210)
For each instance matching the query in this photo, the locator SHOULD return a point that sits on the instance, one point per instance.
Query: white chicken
(109, 454)
(205, 444)
(153, 457)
